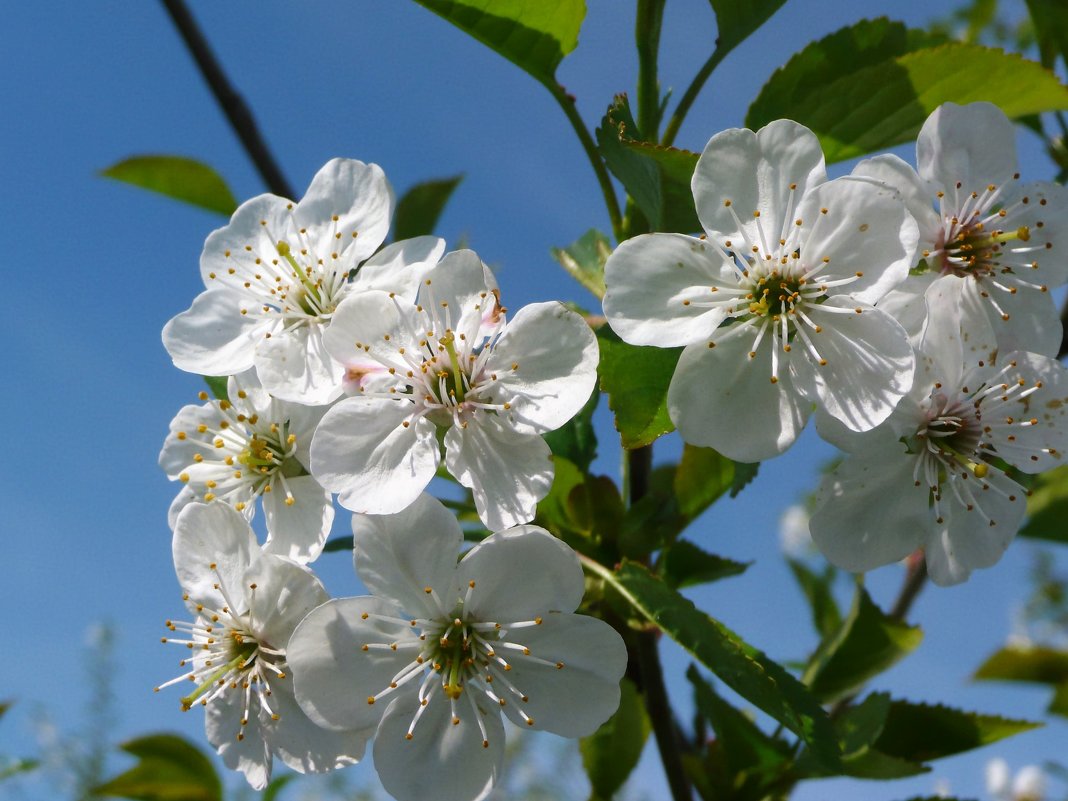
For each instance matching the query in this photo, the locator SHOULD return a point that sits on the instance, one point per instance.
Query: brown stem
(232, 104)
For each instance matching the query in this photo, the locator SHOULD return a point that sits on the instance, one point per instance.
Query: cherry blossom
(451, 362)
(276, 273)
(775, 304)
(441, 649)
(245, 605)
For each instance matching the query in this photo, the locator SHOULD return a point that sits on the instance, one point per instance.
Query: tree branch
(232, 104)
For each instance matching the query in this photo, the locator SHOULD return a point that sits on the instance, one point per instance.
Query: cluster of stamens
(244, 456)
(776, 287)
(446, 375)
(975, 243)
(961, 436)
(291, 277)
(458, 658)
(227, 657)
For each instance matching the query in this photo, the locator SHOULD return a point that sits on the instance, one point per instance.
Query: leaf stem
(647, 36)
(688, 98)
(567, 103)
(232, 104)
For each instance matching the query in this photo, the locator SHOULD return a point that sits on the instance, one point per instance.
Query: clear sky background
(93, 270)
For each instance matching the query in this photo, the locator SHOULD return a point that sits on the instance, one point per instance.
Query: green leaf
(217, 385)
(703, 475)
(576, 440)
(1040, 665)
(612, 752)
(872, 85)
(418, 211)
(1047, 507)
(736, 19)
(920, 732)
(676, 209)
(1051, 29)
(595, 508)
(342, 542)
(867, 643)
(16, 767)
(683, 564)
(744, 746)
(533, 34)
(169, 768)
(584, 259)
(639, 175)
(271, 791)
(636, 380)
(744, 473)
(176, 177)
(743, 668)
(817, 589)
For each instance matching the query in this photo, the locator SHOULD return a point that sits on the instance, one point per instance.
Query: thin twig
(232, 104)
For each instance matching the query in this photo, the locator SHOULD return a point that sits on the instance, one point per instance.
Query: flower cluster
(350, 365)
(909, 310)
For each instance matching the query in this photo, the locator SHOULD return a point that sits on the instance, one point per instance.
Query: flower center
(775, 294)
(973, 249)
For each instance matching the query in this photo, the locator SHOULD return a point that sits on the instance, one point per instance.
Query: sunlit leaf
(217, 385)
(176, 177)
(584, 259)
(169, 768)
(418, 211)
(1047, 507)
(743, 668)
(872, 85)
(611, 754)
(533, 34)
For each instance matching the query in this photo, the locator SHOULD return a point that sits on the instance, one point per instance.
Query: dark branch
(232, 104)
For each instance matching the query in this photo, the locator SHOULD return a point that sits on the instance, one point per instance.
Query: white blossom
(937, 474)
(991, 245)
(275, 274)
(252, 446)
(452, 362)
(774, 305)
(245, 605)
(441, 649)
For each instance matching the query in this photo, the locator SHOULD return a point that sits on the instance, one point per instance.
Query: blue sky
(94, 269)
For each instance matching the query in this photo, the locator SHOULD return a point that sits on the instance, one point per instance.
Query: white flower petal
(332, 675)
(508, 472)
(870, 364)
(363, 451)
(720, 398)
(367, 326)
(520, 573)
(459, 289)
(573, 700)
(546, 361)
(399, 267)
(295, 366)
(974, 144)
(754, 171)
(212, 337)
(185, 497)
(442, 761)
(251, 754)
(254, 229)
(213, 545)
(906, 304)
(915, 192)
(398, 556)
(658, 286)
(869, 512)
(865, 233)
(280, 594)
(298, 530)
(977, 537)
(306, 747)
(358, 195)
